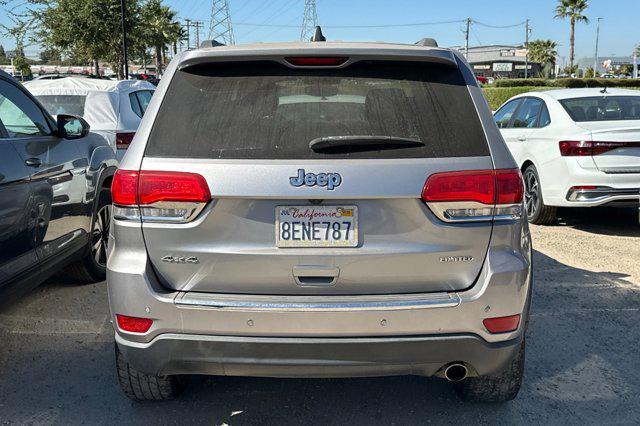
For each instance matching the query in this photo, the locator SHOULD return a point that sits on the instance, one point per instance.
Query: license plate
(316, 226)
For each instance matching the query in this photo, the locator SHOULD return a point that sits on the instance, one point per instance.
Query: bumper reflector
(133, 324)
(502, 324)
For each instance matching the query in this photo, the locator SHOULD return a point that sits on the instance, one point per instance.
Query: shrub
(496, 96)
(521, 82)
(570, 83)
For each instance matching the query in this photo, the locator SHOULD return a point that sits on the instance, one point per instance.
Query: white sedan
(575, 147)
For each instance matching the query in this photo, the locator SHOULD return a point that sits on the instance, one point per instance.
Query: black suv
(55, 180)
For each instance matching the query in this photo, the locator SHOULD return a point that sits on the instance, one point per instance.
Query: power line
(413, 24)
(499, 26)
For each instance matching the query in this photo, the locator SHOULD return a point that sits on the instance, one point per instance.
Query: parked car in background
(54, 193)
(319, 209)
(113, 109)
(575, 147)
(482, 79)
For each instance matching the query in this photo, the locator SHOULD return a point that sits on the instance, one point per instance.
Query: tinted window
(268, 111)
(545, 119)
(20, 115)
(528, 113)
(504, 114)
(135, 104)
(140, 101)
(144, 97)
(603, 108)
(63, 104)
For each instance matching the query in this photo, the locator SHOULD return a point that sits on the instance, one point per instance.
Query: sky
(618, 30)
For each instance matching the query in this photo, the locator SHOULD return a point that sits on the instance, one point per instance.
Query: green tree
(88, 28)
(3, 54)
(572, 9)
(543, 52)
(588, 73)
(50, 55)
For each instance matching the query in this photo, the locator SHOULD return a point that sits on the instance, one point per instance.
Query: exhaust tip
(456, 372)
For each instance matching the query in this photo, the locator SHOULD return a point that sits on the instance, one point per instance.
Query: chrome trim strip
(318, 303)
(602, 194)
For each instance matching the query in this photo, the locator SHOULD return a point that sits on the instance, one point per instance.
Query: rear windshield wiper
(354, 143)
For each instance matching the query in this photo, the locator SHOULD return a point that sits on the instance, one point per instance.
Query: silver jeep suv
(319, 209)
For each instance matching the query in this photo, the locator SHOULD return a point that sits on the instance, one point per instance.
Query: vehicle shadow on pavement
(582, 358)
(622, 222)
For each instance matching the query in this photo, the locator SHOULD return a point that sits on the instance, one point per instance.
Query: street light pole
(123, 12)
(595, 59)
(526, 48)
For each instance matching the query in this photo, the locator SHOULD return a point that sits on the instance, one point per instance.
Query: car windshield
(63, 104)
(269, 111)
(603, 108)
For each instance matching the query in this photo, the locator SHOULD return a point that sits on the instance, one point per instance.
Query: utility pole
(466, 39)
(123, 12)
(309, 20)
(188, 33)
(526, 49)
(595, 59)
(197, 25)
(220, 28)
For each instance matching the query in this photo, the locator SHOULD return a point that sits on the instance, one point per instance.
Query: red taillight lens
(510, 186)
(172, 186)
(475, 195)
(590, 148)
(502, 324)
(123, 139)
(124, 188)
(130, 188)
(316, 61)
(133, 324)
(473, 185)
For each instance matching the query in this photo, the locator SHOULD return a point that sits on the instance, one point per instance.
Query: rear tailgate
(246, 128)
(620, 146)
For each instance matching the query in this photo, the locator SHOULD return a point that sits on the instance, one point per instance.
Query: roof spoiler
(427, 42)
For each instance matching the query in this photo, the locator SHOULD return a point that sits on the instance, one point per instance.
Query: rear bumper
(169, 354)
(319, 336)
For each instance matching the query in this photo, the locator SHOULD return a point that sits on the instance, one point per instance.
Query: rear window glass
(603, 108)
(63, 104)
(265, 110)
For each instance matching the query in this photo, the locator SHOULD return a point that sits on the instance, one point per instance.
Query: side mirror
(72, 126)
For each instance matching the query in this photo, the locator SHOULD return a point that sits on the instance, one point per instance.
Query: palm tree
(161, 29)
(572, 9)
(543, 52)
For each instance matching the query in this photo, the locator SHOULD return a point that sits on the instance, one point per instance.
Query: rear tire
(501, 387)
(140, 386)
(93, 267)
(537, 212)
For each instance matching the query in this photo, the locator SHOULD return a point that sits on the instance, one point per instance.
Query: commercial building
(500, 61)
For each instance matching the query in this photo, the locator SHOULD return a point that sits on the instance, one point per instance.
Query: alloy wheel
(531, 193)
(100, 235)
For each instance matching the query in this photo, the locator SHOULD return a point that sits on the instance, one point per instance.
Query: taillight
(502, 324)
(590, 148)
(475, 195)
(123, 139)
(316, 61)
(158, 196)
(133, 324)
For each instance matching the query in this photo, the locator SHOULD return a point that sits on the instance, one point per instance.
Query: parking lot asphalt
(583, 355)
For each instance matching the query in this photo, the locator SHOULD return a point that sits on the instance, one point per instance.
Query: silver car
(319, 209)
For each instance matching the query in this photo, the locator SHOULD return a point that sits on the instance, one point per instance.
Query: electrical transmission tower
(220, 28)
(309, 20)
